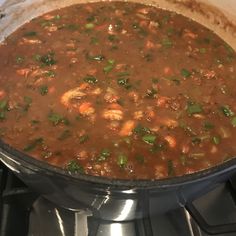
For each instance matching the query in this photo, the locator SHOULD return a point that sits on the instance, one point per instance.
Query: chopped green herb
(112, 37)
(90, 79)
(155, 80)
(183, 160)
(64, 135)
(197, 155)
(50, 74)
(122, 160)
(57, 17)
(224, 132)
(124, 73)
(174, 79)
(196, 140)
(216, 139)
(30, 34)
(149, 139)
(46, 154)
(72, 27)
(37, 57)
(78, 117)
(33, 144)
(207, 125)
(89, 26)
(105, 153)
(109, 67)
(56, 119)
(4, 105)
(27, 103)
(233, 121)
(94, 41)
(43, 90)
(202, 50)
(48, 59)
(151, 93)
(140, 158)
(141, 130)
(227, 111)
(158, 147)
(91, 18)
(2, 115)
(83, 139)
(185, 73)
(194, 108)
(34, 122)
(124, 82)
(20, 59)
(167, 43)
(170, 167)
(96, 57)
(74, 167)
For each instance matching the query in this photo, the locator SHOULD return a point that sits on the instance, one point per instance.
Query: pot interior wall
(220, 16)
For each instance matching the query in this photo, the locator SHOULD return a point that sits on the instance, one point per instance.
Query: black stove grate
(23, 212)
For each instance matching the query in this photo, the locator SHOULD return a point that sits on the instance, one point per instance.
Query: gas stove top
(24, 212)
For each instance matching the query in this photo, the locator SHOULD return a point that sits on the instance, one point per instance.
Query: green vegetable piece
(34, 122)
(94, 41)
(64, 135)
(141, 130)
(20, 59)
(2, 115)
(185, 73)
(50, 74)
(167, 43)
(105, 153)
(56, 119)
(140, 159)
(158, 147)
(183, 160)
(89, 26)
(208, 125)
(194, 108)
(202, 50)
(95, 57)
(233, 121)
(4, 105)
(170, 167)
(227, 111)
(28, 102)
(33, 144)
(216, 140)
(48, 59)
(74, 167)
(83, 139)
(90, 79)
(149, 139)
(30, 34)
(151, 93)
(122, 160)
(109, 67)
(124, 82)
(43, 90)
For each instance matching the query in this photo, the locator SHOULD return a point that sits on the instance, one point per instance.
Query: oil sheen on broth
(119, 90)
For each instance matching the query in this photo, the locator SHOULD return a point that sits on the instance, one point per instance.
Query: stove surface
(24, 212)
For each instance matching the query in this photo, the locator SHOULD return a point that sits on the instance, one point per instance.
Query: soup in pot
(120, 90)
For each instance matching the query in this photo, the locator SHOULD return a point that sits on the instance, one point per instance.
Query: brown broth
(120, 90)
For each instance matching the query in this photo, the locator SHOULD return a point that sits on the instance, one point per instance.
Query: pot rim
(30, 162)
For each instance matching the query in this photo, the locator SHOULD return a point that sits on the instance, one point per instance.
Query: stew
(120, 90)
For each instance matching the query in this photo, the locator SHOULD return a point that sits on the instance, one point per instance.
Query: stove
(25, 213)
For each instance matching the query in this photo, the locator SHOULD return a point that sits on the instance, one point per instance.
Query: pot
(118, 200)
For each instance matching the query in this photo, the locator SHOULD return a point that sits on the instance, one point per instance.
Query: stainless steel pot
(118, 200)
